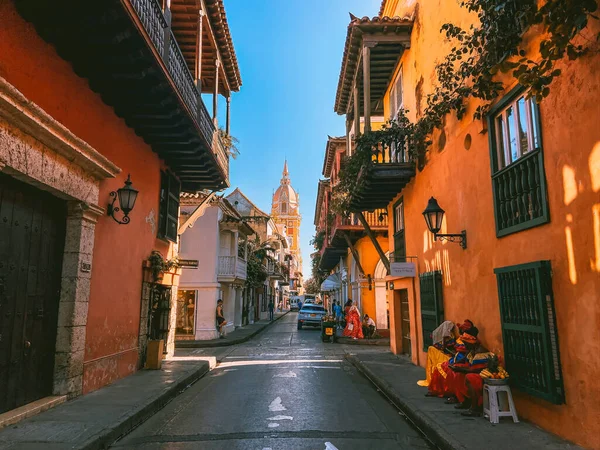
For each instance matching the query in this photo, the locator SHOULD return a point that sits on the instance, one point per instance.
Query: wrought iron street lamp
(434, 215)
(127, 196)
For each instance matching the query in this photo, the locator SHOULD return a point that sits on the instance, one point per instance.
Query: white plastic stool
(491, 403)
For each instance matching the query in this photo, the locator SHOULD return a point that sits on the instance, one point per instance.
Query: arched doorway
(381, 301)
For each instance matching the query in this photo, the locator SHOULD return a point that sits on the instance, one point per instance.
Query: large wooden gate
(32, 234)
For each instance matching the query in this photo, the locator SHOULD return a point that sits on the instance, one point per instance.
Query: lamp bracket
(111, 209)
(460, 238)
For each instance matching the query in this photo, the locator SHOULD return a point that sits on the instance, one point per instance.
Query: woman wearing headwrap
(442, 379)
(466, 382)
(353, 325)
(444, 339)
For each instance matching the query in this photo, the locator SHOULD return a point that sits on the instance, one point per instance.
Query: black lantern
(434, 215)
(127, 196)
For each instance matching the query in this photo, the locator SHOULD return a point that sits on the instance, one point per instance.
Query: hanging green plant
(158, 265)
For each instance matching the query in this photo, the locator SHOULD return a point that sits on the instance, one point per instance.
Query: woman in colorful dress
(444, 340)
(353, 324)
(442, 379)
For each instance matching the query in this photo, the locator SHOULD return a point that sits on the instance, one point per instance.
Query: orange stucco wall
(34, 67)
(460, 179)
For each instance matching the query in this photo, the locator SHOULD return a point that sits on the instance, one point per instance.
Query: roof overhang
(333, 143)
(216, 42)
(387, 38)
(323, 185)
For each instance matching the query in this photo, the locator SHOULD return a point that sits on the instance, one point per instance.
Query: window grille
(529, 332)
(518, 175)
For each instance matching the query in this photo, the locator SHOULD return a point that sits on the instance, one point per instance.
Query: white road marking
(273, 425)
(289, 374)
(319, 367)
(281, 418)
(330, 446)
(276, 405)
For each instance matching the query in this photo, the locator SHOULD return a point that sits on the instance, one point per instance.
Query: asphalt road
(284, 389)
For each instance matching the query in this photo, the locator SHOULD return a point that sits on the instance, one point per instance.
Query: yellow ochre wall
(369, 258)
(460, 179)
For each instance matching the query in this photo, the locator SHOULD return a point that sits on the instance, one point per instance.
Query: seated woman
(444, 339)
(442, 378)
(466, 382)
(353, 324)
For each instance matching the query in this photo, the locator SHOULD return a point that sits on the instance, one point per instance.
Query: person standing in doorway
(271, 308)
(221, 322)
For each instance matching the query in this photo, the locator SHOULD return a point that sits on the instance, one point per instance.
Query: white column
(237, 298)
(366, 58)
(199, 52)
(206, 312)
(356, 111)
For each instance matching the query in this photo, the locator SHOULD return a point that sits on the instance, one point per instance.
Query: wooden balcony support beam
(380, 252)
(353, 251)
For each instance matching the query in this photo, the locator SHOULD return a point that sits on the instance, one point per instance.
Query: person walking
(221, 322)
(271, 308)
(337, 311)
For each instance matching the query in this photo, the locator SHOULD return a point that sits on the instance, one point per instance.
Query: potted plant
(158, 265)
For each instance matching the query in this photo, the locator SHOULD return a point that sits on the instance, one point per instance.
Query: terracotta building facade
(77, 300)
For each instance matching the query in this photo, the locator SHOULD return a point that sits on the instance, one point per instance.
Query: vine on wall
(471, 67)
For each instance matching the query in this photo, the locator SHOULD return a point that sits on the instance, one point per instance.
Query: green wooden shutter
(173, 209)
(529, 329)
(169, 206)
(432, 304)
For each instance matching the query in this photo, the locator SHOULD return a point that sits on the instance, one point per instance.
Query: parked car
(310, 314)
(294, 304)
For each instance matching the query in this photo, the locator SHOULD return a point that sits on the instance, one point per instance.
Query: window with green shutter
(529, 329)
(517, 160)
(169, 207)
(432, 304)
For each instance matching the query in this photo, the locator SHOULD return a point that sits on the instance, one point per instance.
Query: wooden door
(32, 233)
(406, 347)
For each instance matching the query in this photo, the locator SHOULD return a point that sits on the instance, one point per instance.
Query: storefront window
(186, 308)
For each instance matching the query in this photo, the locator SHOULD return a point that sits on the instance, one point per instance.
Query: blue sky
(289, 52)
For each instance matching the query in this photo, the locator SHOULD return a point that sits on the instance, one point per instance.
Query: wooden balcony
(274, 271)
(352, 227)
(231, 269)
(128, 53)
(389, 170)
(336, 245)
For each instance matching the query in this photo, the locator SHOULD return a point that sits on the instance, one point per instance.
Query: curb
(225, 342)
(376, 342)
(426, 424)
(122, 427)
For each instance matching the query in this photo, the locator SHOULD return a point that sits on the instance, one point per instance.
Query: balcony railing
(519, 195)
(390, 167)
(232, 267)
(352, 223)
(393, 151)
(157, 27)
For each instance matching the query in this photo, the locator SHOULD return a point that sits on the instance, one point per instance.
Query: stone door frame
(40, 151)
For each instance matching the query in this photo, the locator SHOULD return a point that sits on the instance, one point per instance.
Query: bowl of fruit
(495, 373)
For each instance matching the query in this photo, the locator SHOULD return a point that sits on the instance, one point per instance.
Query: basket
(496, 382)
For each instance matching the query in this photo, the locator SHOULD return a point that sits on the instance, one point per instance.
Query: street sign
(403, 270)
(188, 263)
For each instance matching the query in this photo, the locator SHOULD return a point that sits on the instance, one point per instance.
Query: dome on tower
(285, 198)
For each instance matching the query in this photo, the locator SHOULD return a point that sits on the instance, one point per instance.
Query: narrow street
(284, 389)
